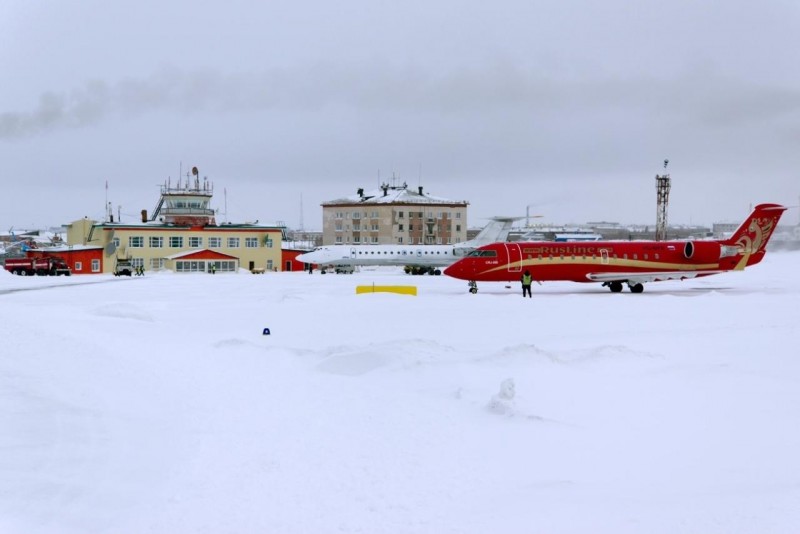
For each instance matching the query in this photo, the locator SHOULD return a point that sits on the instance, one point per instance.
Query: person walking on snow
(526, 280)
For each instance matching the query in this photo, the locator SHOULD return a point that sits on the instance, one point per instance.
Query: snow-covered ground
(156, 404)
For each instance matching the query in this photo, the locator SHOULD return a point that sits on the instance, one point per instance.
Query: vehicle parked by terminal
(47, 266)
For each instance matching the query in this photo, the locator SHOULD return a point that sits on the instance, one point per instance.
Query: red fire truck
(52, 266)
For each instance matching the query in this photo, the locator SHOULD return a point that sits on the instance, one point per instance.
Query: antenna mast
(662, 202)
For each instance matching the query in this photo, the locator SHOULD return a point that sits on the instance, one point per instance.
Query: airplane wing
(643, 277)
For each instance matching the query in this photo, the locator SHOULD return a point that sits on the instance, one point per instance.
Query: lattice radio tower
(662, 202)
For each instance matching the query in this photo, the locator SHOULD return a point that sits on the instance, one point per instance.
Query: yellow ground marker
(403, 290)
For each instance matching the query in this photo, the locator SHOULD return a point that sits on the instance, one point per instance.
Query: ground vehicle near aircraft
(123, 267)
(49, 265)
(418, 258)
(614, 263)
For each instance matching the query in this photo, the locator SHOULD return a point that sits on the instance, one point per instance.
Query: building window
(269, 265)
(374, 239)
(214, 242)
(356, 239)
(78, 266)
(156, 264)
(176, 241)
(190, 266)
(458, 228)
(195, 242)
(458, 215)
(399, 240)
(233, 242)
(227, 266)
(356, 215)
(137, 262)
(399, 214)
(375, 227)
(251, 242)
(156, 242)
(268, 242)
(338, 227)
(95, 266)
(136, 241)
(116, 242)
(339, 239)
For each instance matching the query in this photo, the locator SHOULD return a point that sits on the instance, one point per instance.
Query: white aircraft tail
(496, 231)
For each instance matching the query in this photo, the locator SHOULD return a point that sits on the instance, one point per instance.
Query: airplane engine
(702, 251)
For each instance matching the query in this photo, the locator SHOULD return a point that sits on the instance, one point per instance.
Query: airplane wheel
(615, 287)
(637, 288)
(473, 290)
(437, 272)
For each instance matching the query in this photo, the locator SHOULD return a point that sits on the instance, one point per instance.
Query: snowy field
(157, 405)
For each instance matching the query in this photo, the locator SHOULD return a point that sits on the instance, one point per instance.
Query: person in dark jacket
(526, 280)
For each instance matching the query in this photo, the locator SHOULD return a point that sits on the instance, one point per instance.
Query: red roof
(202, 254)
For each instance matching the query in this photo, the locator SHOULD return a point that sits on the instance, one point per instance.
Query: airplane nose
(453, 270)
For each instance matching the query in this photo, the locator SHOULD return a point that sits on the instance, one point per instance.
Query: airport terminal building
(181, 235)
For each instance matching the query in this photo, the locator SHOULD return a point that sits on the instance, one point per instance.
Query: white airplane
(419, 259)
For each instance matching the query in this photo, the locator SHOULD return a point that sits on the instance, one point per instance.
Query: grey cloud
(703, 100)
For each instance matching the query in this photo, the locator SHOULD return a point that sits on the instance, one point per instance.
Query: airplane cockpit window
(483, 254)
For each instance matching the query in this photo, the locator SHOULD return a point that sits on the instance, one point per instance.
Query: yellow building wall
(85, 231)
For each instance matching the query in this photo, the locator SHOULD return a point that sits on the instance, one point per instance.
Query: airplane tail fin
(752, 236)
(497, 230)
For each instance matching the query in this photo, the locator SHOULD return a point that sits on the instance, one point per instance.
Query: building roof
(161, 225)
(393, 195)
(65, 248)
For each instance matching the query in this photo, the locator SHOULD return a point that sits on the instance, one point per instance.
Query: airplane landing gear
(473, 286)
(615, 287)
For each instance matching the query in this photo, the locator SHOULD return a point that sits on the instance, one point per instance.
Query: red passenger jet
(614, 263)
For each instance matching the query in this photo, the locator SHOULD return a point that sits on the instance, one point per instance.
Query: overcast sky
(569, 106)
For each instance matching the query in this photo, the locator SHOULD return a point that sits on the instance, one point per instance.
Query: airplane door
(352, 253)
(604, 256)
(514, 254)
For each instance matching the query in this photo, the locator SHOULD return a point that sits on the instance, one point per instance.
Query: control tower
(186, 204)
